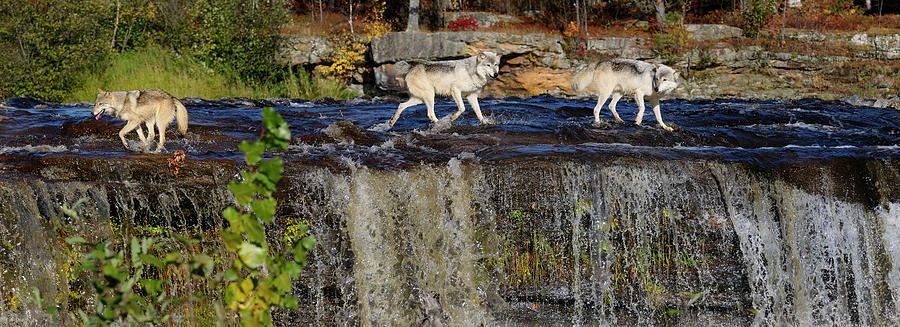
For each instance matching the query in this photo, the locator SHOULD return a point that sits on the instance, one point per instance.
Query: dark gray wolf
(152, 107)
(618, 77)
(456, 78)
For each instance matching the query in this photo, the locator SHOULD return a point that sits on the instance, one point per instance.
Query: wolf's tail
(181, 115)
(583, 77)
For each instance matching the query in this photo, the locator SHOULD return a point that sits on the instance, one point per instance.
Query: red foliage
(463, 24)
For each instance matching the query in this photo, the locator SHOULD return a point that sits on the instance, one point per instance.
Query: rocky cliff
(716, 61)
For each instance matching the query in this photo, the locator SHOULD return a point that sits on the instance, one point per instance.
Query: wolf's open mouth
(97, 116)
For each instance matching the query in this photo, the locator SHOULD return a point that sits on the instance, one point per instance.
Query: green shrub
(233, 34)
(258, 281)
(48, 45)
(756, 15)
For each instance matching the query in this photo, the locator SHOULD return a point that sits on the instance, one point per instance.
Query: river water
(763, 213)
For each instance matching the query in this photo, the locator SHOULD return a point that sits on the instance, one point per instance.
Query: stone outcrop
(879, 46)
(629, 47)
(533, 64)
(401, 46)
(711, 32)
(483, 19)
(541, 51)
(305, 50)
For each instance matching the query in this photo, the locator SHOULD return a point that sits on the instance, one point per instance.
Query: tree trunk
(412, 24)
(661, 12)
(797, 4)
(112, 44)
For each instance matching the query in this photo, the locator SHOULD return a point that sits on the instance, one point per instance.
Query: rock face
(392, 48)
(710, 32)
(305, 50)
(533, 64)
(879, 46)
(399, 46)
(483, 19)
(629, 47)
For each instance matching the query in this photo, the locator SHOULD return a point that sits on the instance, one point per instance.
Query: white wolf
(152, 107)
(456, 78)
(618, 77)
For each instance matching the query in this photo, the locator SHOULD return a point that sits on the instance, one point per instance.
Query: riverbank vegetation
(62, 51)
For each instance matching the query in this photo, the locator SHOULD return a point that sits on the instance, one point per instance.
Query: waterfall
(525, 241)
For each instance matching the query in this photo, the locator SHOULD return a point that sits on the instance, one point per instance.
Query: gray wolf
(456, 78)
(618, 77)
(152, 107)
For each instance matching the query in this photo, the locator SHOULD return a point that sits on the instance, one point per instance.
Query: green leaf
(254, 230)
(145, 244)
(252, 255)
(265, 209)
(50, 310)
(231, 294)
(231, 275)
(289, 302)
(243, 192)
(308, 242)
(153, 260)
(299, 253)
(75, 240)
(293, 269)
(282, 283)
(111, 270)
(233, 216)
(279, 133)
(247, 286)
(252, 151)
(272, 169)
(152, 286)
(232, 238)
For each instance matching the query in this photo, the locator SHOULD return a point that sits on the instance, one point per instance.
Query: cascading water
(778, 213)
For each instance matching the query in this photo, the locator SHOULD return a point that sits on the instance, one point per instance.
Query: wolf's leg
(125, 130)
(409, 103)
(457, 97)
(612, 106)
(655, 103)
(473, 101)
(140, 132)
(639, 98)
(601, 98)
(162, 135)
(428, 97)
(151, 132)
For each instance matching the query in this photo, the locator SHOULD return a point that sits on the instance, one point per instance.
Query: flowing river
(751, 213)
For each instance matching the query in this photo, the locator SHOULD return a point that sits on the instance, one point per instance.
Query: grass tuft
(155, 67)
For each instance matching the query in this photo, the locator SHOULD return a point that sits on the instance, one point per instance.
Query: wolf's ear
(675, 76)
(99, 90)
(481, 57)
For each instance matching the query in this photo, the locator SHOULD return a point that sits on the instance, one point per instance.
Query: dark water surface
(759, 132)
(762, 213)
